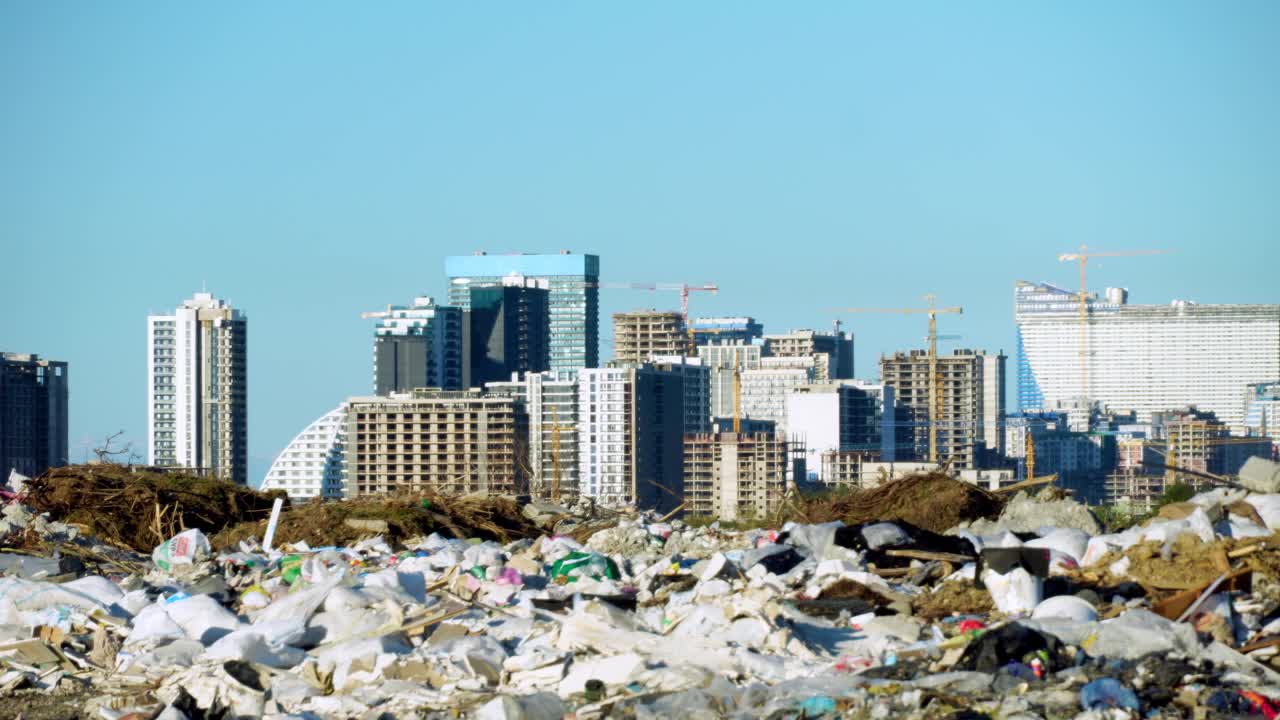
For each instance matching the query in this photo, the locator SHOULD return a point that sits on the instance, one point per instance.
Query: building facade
(1262, 409)
(721, 359)
(419, 345)
(311, 465)
(967, 381)
(734, 477)
(552, 408)
(631, 436)
(834, 417)
(33, 414)
(697, 389)
(573, 283)
(722, 330)
(454, 442)
(765, 390)
(1145, 358)
(641, 334)
(508, 327)
(197, 389)
(832, 351)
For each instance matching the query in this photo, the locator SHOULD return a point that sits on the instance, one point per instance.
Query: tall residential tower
(197, 389)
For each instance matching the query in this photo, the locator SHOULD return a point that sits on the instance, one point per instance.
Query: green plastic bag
(580, 564)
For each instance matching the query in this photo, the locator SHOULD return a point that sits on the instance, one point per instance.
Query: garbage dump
(506, 610)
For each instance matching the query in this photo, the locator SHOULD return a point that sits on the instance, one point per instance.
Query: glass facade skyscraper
(1145, 358)
(574, 298)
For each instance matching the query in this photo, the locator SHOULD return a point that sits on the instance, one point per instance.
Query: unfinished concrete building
(552, 408)
(642, 334)
(843, 468)
(832, 352)
(453, 442)
(734, 477)
(963, 404)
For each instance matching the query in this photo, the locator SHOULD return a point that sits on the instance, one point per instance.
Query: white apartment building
(197, 389)
(721, 359)
(552, 407)
(1145, 358)
(765, 390)
(311, 465)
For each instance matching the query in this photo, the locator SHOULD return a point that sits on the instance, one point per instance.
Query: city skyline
(844, 157)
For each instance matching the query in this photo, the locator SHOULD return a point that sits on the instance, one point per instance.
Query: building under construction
(453, 442)
(970, 405)
(731, 476)
(642, 334)
(551, 405)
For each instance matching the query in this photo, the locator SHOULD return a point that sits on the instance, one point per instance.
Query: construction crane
(935, 397)
(1031, 456)
(556, 427)
(1082, 257)
(737, 397)
(683, 288)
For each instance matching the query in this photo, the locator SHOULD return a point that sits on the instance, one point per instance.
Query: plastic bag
(579, 564)
(185, 548)
(1016, 591)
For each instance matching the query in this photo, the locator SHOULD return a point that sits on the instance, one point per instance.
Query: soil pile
(140, 508)
(933, 501)
(398, 518)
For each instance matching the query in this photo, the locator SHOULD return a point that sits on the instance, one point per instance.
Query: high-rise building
(552, 408)
(641, 334)
(1198, 442)
(451, 441)
(1145, 358)
(733, 476)
(631, 436)
(837, 417)
(33, 414)
(573, 282)
(508, 332)
(726, 330)
(420, 345)
(197, 389)
(832, 351)
(697, 389)
(311, 466)
(764, 393)
(966, 424)
(722, 359)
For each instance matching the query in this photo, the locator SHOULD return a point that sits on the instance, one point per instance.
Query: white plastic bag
(202, 618)
(1016, 591)
(185, 548)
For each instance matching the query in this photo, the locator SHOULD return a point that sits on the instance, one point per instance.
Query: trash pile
(1023, 609)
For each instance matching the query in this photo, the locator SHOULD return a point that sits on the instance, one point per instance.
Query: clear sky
(310, 160)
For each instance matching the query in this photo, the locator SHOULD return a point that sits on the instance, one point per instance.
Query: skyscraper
(421, 345)
(508, 332)
(574, 298)
(197, 388)
(33, 414)
(1145, 358)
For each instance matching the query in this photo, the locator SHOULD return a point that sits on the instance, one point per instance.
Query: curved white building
(311, 466)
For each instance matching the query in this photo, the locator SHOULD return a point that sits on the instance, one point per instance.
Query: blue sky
(310, 160)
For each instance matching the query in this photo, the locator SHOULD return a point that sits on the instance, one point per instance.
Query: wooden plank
(928, 555)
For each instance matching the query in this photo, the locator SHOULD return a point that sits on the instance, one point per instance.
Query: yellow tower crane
(1082, 257)
(935, 397)
(556, 427)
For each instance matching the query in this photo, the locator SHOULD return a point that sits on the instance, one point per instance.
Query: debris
(489, 608)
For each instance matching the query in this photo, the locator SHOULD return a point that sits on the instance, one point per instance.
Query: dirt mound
(140, 508)
(961, 597)
(933, 501)
(334, 522)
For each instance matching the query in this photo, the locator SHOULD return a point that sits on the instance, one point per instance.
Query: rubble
(487, 608)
